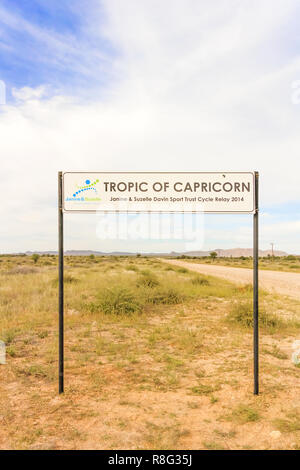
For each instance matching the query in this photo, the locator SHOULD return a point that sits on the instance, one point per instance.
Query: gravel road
(274, 281)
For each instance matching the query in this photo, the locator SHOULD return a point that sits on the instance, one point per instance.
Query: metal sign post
(255, 288)
(136, 192)
(60, 284)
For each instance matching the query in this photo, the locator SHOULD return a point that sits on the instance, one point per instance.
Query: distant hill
(236, 252)
(233, 252)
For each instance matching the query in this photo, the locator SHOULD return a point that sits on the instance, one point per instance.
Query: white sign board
(158, 192)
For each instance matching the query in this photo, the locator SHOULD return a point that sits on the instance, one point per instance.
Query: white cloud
(198, 89)
(26, 93)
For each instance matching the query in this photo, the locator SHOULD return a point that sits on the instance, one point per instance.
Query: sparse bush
(199, 281)
(202, 389)
(118, 300)
(289, 424)
(35, 370)
(242, 314)
(69, 279)
(147, 279)
(169, 268)
(243, 414)
(11, 351)
(43, 334)
(46, 263)
(182, 270)
(276, 352)
(166, 295)
(8, 336)
(131, 267)
(35, 257)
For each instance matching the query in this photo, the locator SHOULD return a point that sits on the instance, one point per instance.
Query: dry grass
(154, 359)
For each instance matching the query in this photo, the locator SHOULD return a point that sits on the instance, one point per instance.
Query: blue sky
(149, 86)
(54, 43)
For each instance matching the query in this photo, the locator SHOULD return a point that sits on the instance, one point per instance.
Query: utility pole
(272, 245)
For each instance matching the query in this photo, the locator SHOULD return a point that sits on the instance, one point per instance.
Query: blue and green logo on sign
(81, 195)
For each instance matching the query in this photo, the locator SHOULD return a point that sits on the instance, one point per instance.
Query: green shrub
(166, 295)
(243, 414)
(118, 300)
(242, 314)
(202, 389)
(11, 351)
(8, 336)
(35, 257)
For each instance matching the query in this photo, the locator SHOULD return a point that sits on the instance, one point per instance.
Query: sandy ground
(274, 281)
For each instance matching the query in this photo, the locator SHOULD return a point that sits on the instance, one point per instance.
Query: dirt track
(274, 281)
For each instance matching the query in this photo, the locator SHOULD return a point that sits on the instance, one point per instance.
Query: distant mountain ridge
(237, 252)
(232, 252)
